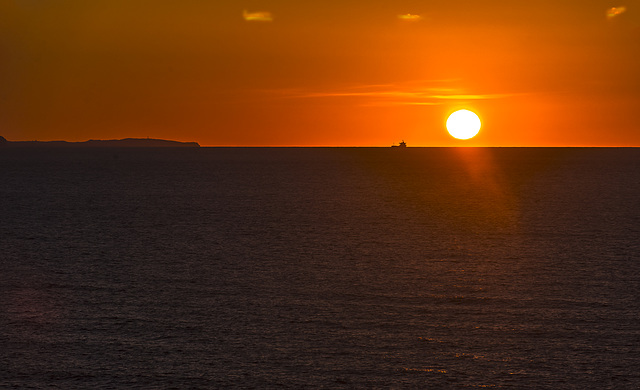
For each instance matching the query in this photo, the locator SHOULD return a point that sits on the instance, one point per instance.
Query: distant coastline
(111, 143)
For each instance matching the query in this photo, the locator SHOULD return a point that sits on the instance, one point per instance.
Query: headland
(93, 143)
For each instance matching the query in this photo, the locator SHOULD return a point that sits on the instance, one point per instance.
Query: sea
(305, 268)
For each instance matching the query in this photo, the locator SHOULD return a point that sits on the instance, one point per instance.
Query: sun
(463, 124)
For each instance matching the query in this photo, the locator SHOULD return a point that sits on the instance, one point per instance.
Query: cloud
(615, 11)
(261, 16)
(410, 17)
(405, 94)
(472, 96)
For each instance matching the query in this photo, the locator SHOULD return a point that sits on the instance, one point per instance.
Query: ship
(402, 145)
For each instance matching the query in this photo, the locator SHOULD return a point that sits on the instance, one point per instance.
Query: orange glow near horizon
(320, 74)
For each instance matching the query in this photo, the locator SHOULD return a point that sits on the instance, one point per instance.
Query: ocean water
(320, 268)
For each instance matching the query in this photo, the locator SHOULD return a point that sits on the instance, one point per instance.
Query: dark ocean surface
(320, 268)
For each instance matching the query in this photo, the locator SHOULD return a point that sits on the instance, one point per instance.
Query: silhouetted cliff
(119, 143)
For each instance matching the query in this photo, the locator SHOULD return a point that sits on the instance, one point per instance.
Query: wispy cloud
(262, 16)
(410, 17)
(401, 94)
(472, 96)
(615, 11)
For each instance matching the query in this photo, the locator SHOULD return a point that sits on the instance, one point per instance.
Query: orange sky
(334, 73)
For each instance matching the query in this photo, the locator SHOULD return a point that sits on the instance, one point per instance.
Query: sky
(321, 73)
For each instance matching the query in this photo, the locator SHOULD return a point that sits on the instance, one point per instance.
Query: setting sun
(463, 124)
